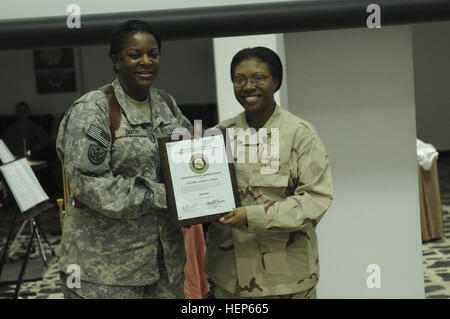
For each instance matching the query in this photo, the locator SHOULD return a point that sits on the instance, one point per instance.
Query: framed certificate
(200, 181)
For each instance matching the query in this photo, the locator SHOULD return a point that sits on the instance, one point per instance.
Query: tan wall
(356, 87)
(431, 47)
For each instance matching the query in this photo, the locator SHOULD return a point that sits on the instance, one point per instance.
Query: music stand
(31, 215)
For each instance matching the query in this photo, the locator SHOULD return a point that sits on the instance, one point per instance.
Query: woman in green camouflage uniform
(118, 240)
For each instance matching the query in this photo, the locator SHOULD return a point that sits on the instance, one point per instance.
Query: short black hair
(262, 54)
(126, 30)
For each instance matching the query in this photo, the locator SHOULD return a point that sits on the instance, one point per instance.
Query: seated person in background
(26, 135)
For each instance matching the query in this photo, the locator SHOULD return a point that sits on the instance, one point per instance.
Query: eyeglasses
(257, 80)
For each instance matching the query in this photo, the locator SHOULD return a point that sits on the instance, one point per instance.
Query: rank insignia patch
(96, 154)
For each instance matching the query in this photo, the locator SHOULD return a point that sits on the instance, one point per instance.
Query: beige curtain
(430, 204)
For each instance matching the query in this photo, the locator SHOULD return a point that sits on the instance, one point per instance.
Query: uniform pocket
(148, 157)
(278, 179)
(269, 180)
(124, 159)
(271, 187)
(220, 235)
(274, 256)
(283, 255)
(242, 174)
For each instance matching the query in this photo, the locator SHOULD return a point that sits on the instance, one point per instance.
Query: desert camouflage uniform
(114, 238)
(277, 254)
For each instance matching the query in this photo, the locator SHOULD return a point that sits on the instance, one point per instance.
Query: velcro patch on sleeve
(99, 135)
(96, 154)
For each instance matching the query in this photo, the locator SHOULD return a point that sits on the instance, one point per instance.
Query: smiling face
(255, 99)
(137, 64)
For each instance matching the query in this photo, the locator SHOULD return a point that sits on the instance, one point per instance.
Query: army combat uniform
(277, 252)
(118, 222)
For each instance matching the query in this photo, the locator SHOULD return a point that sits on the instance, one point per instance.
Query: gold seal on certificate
(199, 163)
(200, 182)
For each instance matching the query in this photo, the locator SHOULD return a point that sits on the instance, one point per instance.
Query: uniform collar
(157, 103)
(134, 117)
(273, 121)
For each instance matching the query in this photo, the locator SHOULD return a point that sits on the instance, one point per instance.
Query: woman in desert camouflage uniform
(268, 247)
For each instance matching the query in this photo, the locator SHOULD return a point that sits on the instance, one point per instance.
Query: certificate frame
(167, 179)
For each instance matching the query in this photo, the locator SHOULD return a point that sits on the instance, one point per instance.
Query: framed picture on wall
(54, 70)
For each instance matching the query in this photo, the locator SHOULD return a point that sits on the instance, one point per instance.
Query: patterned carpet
(44, 282)
(45, 287)
(436, 260)
(436, 254)
(436, 269)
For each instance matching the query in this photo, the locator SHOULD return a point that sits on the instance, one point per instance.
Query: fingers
(227, 219)
(237, 218)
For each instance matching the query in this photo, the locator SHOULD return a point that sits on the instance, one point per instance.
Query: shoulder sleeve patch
(99, 135)
(96, 154)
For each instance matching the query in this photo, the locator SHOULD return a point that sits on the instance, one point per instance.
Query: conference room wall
(181, 62)
(431, 47)
(356, 86)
